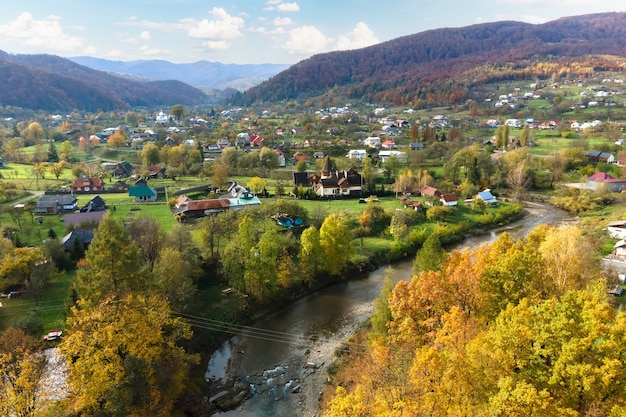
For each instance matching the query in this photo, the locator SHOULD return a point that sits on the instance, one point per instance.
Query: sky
(249, 31)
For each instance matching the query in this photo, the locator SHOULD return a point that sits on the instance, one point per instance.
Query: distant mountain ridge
(52, 83)
(201, 74)
(439, 67)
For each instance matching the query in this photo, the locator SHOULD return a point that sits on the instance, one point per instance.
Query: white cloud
(115, 53)
(215, 45)
(145, 35)
(90, 50)
(223, 27)
(271, 4)
(306, 40)
(40, 35)
(288, 7)
(147, 51)
(282, 21)
(270, 32)
(360, 37)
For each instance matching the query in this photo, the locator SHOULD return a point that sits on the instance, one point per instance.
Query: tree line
(514, 328)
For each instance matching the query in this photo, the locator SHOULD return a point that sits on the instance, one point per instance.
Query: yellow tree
(22, 374)
(66, 150)
(565, 258)
(256, 184)
(124, 357)
(150, 154)
(57, 168)
(559, 357)
(117, 139)
(34, 132)
(336, 242)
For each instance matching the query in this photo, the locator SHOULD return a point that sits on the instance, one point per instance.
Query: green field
(50, 311)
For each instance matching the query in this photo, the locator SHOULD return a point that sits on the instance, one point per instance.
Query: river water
(280, 362)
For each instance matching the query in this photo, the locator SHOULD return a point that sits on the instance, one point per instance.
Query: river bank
(260, 377)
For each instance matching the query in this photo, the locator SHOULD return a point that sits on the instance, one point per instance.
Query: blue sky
(249, 31)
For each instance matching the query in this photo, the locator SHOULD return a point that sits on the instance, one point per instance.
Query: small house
(602, 179)
(201, 208)
(84, 237)
(142, 193)
(56, 204)
(97, 203)
(449, 200)
(620, 248)
(120, 187)
(87, 185)
(617, 229)
(487, 197)
(356, 154)
(427, 190)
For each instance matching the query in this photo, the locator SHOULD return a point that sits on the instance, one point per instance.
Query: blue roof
(487, 196)
(141, 191)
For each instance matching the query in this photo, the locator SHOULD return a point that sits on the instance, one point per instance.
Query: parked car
(53, 335)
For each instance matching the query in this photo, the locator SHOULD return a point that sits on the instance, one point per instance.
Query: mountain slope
(202, 74)
(412, 68)
(47, 82)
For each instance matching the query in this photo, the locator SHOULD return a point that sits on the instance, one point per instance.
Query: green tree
(369, 174)
(112, 263)
(336, 242)
(124, 357)
(382, 314)
(237, 252)
(301, 166)
(431, 256)
(53, 155)
(178, 111)
(131, 118)
(268, 158)
(66, 150)
(172, 276)
(311, 252)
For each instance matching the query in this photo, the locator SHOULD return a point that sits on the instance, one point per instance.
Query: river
(280, 362)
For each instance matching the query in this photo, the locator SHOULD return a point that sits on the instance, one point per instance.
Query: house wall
(616, 232)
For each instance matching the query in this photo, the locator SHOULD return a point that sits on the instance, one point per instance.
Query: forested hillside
(47, 82)
(436, 67)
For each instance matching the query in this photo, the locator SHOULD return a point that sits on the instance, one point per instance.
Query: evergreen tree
(53, 156)
(431, 256)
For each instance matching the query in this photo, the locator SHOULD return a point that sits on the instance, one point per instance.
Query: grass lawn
(50, 310)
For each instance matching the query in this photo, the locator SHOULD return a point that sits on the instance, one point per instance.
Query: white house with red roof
(602, 179)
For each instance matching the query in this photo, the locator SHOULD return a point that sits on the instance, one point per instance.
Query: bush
(31, 325)
(438, 212)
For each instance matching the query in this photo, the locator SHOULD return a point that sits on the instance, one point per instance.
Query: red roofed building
(428, 190)
(201, 208)
(602, 179)
(87, 185)
(256, 140)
